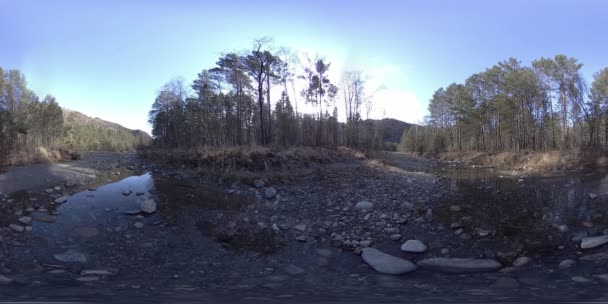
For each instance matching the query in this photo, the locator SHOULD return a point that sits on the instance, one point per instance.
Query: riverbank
(529, 162)
(308, 233)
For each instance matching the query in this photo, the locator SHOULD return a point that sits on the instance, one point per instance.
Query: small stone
(459, 265)
(71, 256)
(391, 230)
(270, 192)
(4, 280)
(25, 219)
(57, 188)
(16, 227)
(364, 205)
(482, 232)
(594, 241)
(566, 264)
(126, 192)
(592, 195)
(385, 263)
(88, 279)
(365, 243)
(300, 227)
(258, 183)
(465, 236)
(28, 228)
(138, 225)
(459, 231)
(148, 206)
(301, 238)
(367, 216)
(49, 190)
(414, 246)
(61, 200)
(445, 251)
(98, 272)
(583, 280)
(455, 208)
(521, 261)
(395, 237)
(562, 228)
(456, 225)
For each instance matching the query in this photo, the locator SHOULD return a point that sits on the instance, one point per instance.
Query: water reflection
(87, 213)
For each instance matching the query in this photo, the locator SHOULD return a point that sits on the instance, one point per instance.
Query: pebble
(395, 237)
(566, 264)
(57, 188)
(592, 195)
(300, 227)
(582, 280)
(4, 280)
(258, 183)
(445, 251)
(16, 227)
(25, 219)
(61, 200)
(97, 272)
(594, 241)
(71, 256)
(521, 261)
(455, 208)
(88, 279)
(270, 192)
(301, 238)
(385, 263)
(294, 270)
(414, 246)
(459, 265)
(459, 231)
(364, 205)
(148, 206)
(138, 225)
(562, 228)
(365, 243)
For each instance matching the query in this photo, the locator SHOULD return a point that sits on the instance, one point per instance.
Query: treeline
(28, 124)
(513, 107)
(232, 104)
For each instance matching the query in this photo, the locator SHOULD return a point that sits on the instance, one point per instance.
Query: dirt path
(39, 176)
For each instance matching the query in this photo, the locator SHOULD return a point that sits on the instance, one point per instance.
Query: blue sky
(109, 58)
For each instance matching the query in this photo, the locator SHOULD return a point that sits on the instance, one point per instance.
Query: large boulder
(386, 263)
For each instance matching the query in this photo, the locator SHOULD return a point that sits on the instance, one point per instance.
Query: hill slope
(94, 134)
(392, 129)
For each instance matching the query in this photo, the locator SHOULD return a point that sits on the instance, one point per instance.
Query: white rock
(97, 272)
(455, 208)
(415, 246)
(25, 219)
(364, 205)
(57, 188)
(385, 263)
(71, 256)
(521, 261)
(459, 265)
(148, 206)
(594, 241)
(566, 264)
(4, 280)
(365, 243)
(61, 200)
(592, 195)
(138, 225)
(16, 227)
(583, 280)
(562, 228)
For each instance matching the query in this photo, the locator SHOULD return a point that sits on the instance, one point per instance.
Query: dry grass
(531, 160)
(39, 155)
(249, 158)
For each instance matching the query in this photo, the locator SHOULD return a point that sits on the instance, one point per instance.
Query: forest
(30, 126)
(512, 107)
(232, 104)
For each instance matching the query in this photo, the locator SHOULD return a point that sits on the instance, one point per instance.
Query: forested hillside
(34, 129)
(232, 104)
(512, 107)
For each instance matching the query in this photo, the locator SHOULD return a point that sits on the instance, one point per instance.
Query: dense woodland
(232, 104)
(513, 107)
(28, 123)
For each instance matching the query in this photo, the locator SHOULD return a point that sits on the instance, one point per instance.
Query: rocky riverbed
(391, 229)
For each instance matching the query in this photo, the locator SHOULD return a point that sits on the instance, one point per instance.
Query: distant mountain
(392, 129)
(87, 133)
